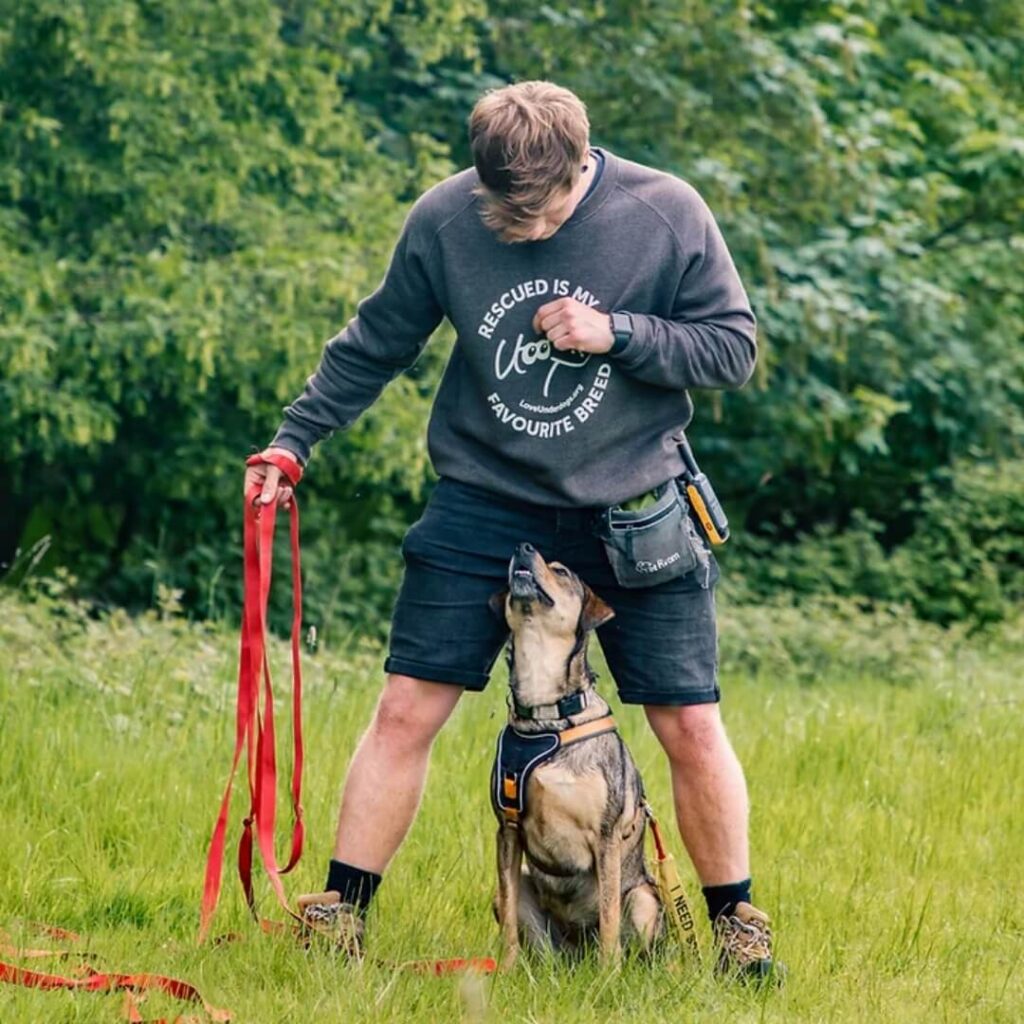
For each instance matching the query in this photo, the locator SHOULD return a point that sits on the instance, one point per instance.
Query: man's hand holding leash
(276, 486)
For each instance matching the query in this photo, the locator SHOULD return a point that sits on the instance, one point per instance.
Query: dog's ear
(595, 611)
(496, 602)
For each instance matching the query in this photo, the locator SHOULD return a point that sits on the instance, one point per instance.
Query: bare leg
(709, 790)
(385, 779)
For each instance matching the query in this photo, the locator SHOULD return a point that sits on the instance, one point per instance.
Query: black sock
(355, 885)
(722, 899)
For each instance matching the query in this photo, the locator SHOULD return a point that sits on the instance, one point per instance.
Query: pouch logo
(649, 568)
(531, 396)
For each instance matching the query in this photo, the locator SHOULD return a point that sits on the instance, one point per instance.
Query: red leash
(91, 980)
(254, 725)
(254, 733)
(254, 730)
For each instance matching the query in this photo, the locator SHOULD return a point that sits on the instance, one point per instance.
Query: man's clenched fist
(571, 324)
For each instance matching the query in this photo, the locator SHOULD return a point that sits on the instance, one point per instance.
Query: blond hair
(528, 140)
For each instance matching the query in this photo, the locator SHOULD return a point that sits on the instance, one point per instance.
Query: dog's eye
(560, 570)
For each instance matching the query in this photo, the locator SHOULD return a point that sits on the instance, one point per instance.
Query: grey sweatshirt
(513, 414)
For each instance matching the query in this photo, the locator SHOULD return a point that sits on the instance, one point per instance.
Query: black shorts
(661, 646)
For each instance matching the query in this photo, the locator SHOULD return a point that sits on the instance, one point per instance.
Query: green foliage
(965, 560)
(192, 198)
(186, 209)
(824, 637)
(849, 563)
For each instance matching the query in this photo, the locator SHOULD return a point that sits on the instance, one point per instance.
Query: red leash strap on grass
(254, 733)
(254, 726)
(454, 965)
(91, 980)
(98, 981)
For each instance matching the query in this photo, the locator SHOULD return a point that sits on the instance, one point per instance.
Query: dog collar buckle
(574, 704)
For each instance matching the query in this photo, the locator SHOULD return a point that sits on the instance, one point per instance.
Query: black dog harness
(520, 753)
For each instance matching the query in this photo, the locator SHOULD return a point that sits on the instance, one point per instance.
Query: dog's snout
(523, 569)
(526, 556)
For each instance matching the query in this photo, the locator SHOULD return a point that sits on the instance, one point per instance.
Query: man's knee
(411, 712)
(689, 734)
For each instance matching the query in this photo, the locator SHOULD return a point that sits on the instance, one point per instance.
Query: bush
(187, 210)
(193, 196)
(963, 562)
(965, 559)
(833, 639)
(848, 563)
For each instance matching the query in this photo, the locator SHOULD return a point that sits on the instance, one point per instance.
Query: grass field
(887, 829)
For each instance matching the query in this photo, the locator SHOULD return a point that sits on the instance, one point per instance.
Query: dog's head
(548, 594)
(549, 610)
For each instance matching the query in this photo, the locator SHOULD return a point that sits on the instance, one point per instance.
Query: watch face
(621, 325)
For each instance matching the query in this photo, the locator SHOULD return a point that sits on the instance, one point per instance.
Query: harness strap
(509, 781)
(587, 730)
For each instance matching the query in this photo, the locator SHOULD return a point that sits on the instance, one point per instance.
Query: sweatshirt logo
(524, 354)
(540, 390)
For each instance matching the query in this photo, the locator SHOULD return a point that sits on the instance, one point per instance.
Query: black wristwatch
(622, 330)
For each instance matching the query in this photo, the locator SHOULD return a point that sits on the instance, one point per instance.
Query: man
(549, 408)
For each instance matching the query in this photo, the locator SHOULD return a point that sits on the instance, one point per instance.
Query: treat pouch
(653, 544)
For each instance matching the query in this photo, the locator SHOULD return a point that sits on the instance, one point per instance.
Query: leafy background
(194, 196)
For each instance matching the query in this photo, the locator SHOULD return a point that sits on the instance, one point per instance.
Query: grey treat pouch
(653, 544)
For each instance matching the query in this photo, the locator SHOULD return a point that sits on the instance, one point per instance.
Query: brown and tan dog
(567, 794)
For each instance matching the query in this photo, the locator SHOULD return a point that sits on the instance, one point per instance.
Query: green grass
(886, 827)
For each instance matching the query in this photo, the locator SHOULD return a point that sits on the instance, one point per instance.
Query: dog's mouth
(523, 584)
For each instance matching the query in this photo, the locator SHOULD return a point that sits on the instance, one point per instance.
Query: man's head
(529, 143)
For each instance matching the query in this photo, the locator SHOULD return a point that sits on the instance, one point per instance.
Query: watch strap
(622, 330)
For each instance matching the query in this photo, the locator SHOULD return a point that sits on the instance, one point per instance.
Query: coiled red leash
(254, 731)
(254, 724)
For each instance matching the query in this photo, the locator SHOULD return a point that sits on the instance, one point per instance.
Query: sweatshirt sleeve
(387, 333)
(710, 339)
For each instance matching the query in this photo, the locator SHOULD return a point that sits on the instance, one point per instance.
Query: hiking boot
(744, 940)
(338, 924)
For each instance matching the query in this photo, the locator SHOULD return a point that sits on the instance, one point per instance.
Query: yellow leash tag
(673, 897)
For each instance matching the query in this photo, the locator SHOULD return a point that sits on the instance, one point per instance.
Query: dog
(567, 794)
